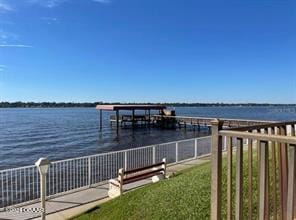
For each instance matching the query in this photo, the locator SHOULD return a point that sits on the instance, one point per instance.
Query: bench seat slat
(142, 175)
(143, 168)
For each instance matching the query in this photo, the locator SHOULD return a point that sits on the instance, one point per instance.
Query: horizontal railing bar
(262, 137)
(18, 168)
(254, 127)
(223, 119)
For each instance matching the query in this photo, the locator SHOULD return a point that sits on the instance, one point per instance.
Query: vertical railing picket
(273, 175)
(263, 194)
(177, 152)
(250, 178)
(89, 171)
(283, 167)
(291, 182)
(153, 154)
(125, 160)
(216, 170)
(195, 148)
(239, 179)
(229, 177)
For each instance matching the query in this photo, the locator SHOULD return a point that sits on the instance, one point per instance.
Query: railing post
(250, 177)
(216, 160)
(273, 172)
(125, 160)
(89, 171)
(263, 194)
(195, 148)
(291, 182)
(177, 151)
(283, 171)
(229, 177)
(153, 153)
(291, 203)
(239, 179)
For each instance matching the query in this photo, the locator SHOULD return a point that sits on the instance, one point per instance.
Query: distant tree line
(93, 104)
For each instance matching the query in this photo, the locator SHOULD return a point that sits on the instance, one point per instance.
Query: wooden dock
(196, 123)
(202, 121)
(164, 118)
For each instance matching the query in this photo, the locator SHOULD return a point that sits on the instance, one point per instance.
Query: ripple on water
(27, 134)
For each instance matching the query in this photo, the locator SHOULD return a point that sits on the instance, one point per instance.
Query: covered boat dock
(133, 118)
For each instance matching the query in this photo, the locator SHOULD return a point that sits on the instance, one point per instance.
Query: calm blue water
(27, 134)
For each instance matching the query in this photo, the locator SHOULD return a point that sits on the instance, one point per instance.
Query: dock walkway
(70, 205)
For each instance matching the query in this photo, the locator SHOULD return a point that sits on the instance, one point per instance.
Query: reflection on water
(27, 134)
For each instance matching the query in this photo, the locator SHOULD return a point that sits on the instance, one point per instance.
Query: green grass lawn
(184, 196)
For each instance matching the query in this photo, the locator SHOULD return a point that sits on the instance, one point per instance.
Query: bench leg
(157, 178)
(114, 190)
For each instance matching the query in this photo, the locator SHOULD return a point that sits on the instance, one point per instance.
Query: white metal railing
(21, 185)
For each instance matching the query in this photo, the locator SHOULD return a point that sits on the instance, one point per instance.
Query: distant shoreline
(93, 104)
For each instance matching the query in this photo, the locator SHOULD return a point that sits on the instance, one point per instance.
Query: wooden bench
(157, 171)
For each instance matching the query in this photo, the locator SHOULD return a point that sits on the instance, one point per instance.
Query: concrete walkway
(72, 204)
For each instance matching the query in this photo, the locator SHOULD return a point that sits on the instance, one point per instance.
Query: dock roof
(130, 107)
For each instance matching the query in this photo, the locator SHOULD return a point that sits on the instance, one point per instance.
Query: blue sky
(148, 50)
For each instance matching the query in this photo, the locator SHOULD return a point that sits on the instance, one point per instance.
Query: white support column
(43, 165)
(43, 195)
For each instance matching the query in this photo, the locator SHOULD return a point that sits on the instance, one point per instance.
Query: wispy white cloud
(6, 22)
(16, 45)
(2, 67)
(4, 36)
(47, 3)
(102, 1)
(54, 3)
(50, 20)
(8, 39)
(4, 6)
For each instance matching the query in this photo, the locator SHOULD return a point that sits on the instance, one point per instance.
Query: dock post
(133, 118)
(149, 118)
(101, 120)
(117, 120)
